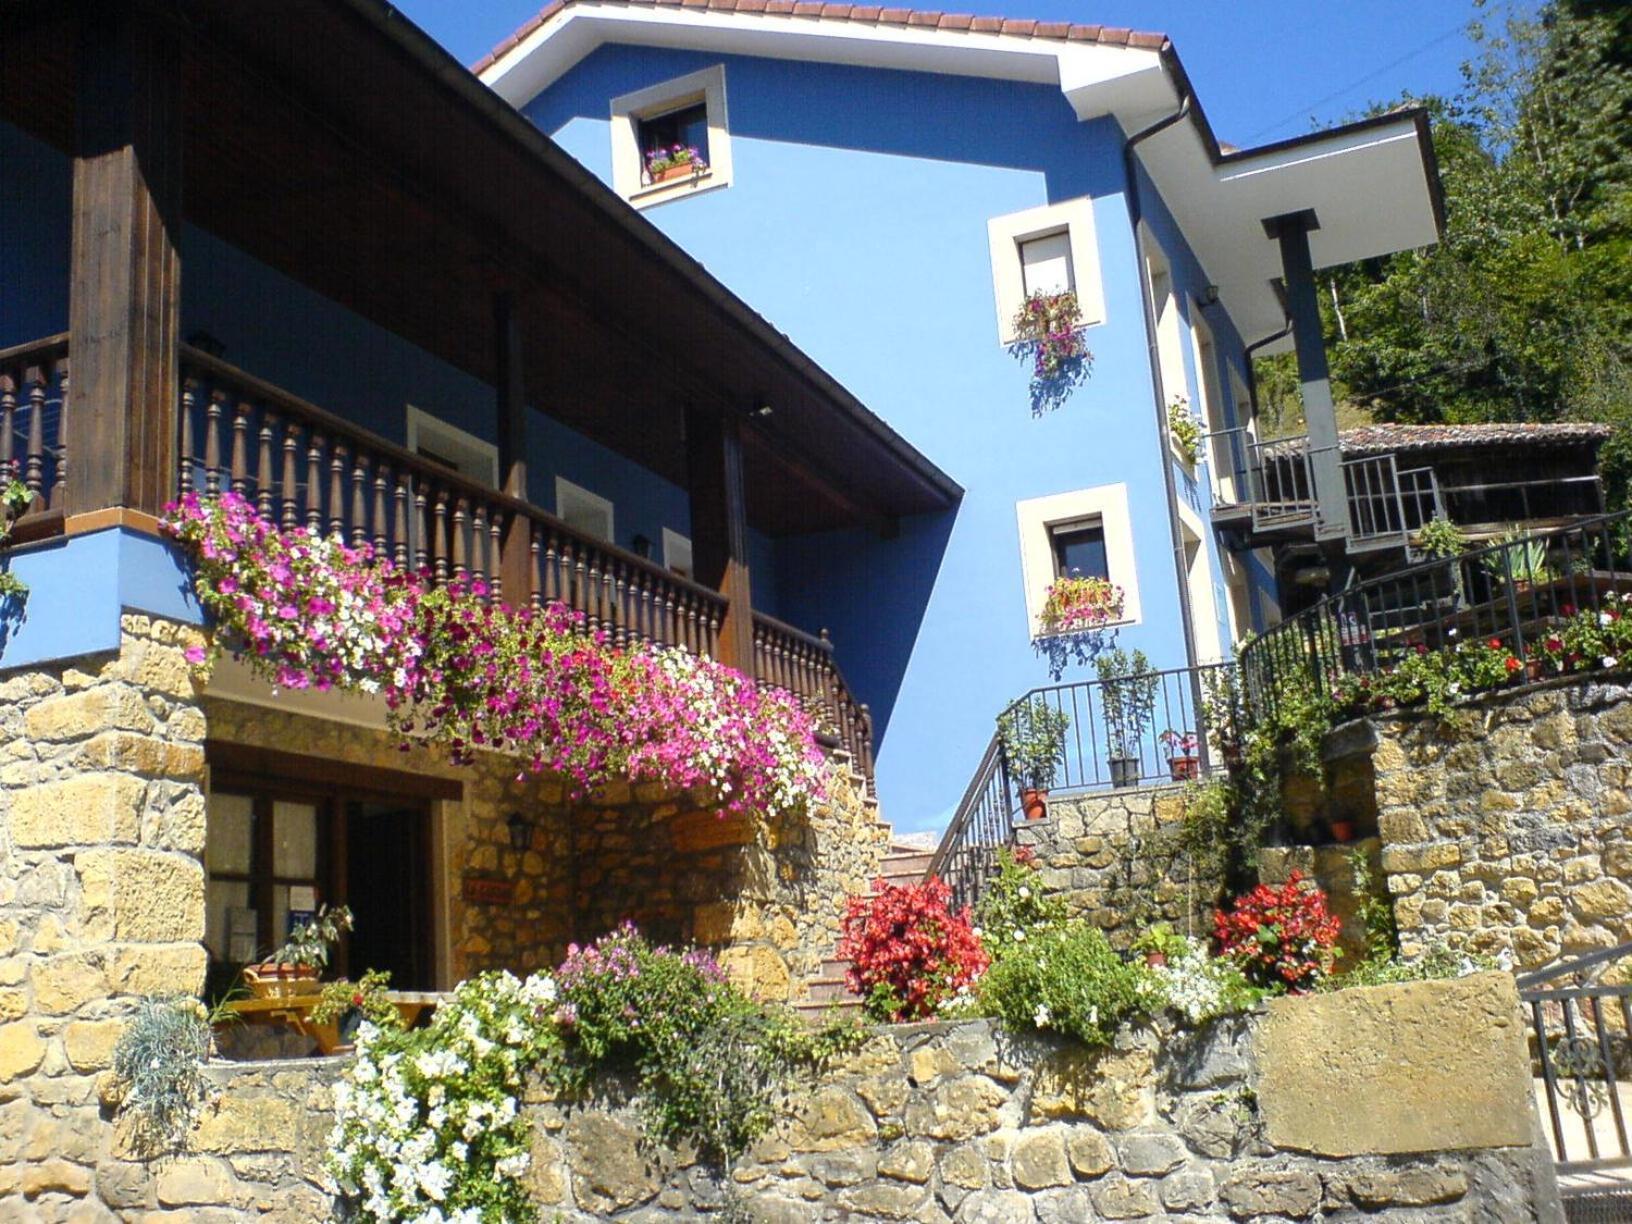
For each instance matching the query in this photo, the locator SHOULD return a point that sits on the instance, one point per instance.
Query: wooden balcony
(303, 466)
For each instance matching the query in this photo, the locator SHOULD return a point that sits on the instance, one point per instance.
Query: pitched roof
(865, 14)
(1379, 439)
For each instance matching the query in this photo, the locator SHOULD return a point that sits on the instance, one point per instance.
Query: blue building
(890, 187)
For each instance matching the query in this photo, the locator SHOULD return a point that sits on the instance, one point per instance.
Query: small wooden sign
(485, 890)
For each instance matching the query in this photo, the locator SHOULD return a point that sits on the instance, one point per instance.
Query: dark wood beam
(719, 525)
(125, 277)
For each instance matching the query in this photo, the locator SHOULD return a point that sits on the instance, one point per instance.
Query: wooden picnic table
(294, 1011)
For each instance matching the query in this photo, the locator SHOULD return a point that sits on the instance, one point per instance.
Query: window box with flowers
(1184, 428)
(677, 162)
(1049, 333)
(1077, 610)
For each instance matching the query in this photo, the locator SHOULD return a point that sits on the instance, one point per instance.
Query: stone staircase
(905, 863)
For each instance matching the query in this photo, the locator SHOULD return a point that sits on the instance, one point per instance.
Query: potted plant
(1342, 829)
(295, 967)
(1182, 747)
(1128, 696)
(680, 161)
(343, 1006)
(1033, 740)
(1185, 429)
(1079, 603)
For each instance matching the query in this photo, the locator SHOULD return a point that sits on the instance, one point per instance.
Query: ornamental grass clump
(470, 673)
(159, 1062)
(910, 953)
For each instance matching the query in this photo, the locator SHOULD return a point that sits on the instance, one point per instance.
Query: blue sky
(1264, 69)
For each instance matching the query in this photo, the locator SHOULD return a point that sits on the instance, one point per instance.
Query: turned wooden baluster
(495, 555)
(240, 449)
(399, 530)
(643, 607)
(184, 472)
(59, 486)
(577, 601)
(460, 569)
(552, 568)
(34, 456)
(866, 742)
(337, 489)
(620, 617)
(534, 556)
(212, 443)
(422, 528)
(289, 490)
(8, 428)
(265, 490)
(668, 627)
(359, 500)
(439, 540)
(382, 522)
(478, 543)
(314, 483)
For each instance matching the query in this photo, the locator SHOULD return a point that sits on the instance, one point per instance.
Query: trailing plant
(367, 996)
(1033, 739)
(1439, 537)
(1191, 981)
(1283, 938)
(1128, 697)
(471, 673)
(1067, 980)
(427, 1121)
(312, 941)
(15, 499)
(1185, 428)
(159, 1062)
(1375, 911)
(1015, 907)
(909, 952)
(1049, 334)
(1436, 964)
(1433, 679)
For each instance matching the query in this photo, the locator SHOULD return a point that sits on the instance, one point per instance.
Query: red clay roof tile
(872, 14)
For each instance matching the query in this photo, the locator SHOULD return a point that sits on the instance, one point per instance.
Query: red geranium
(1279, 936)
(908, 950)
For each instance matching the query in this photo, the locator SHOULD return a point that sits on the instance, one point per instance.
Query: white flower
(1019, 936)
(1610, 660)
(1025, 892)
(1041, 1016)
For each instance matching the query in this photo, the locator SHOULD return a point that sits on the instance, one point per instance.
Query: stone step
(823, 989)
(816, 1011)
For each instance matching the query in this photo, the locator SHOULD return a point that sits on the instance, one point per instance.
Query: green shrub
(1067, 980)
(1015, 907)
(1033, 739)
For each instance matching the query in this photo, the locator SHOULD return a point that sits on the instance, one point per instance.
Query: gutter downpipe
(1130, 166)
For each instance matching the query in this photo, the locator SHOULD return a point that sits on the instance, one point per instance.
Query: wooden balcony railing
(302, 465)
(33, 434)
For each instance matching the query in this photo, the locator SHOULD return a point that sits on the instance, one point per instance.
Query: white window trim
(566, 491)
(1203, 590)
(425, 427)
(707, 86)
(1107, 503)
(674, 543)
(1004, 236)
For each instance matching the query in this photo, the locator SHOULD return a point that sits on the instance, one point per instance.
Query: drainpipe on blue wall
(1180, 569)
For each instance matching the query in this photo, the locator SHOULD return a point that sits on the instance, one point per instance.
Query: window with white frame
(1087, 532)
(672, 139)
(448, 446)
(1045, 250)
(579, 508)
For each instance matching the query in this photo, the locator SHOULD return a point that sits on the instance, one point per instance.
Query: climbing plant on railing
(1048, 331)
(15, 498)
(469, 673)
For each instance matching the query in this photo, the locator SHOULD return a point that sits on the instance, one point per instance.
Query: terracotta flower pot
(680, 170)
(1033, 802)
(271, 980)
(1184, 768)
(1155, 959)
(1343, 830)
(1532, 670)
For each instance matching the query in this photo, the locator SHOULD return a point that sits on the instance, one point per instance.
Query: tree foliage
(1523, 312)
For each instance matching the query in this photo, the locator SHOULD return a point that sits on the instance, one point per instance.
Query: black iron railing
(1141, 730)
(1509, 591)
(1580, 1027)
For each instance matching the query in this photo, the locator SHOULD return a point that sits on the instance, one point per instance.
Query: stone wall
(1102, 852)
(101, 896)
(1509, 830)
(1404, 1102)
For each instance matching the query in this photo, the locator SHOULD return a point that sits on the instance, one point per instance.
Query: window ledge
(658, 193)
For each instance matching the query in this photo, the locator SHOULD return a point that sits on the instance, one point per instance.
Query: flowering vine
(455, 668)
(1048, 331)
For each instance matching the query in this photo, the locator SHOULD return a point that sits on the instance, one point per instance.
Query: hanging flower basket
(1048, 331)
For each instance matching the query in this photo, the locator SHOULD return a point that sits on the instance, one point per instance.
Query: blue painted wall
(856, 222)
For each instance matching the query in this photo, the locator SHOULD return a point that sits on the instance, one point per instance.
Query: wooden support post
(125, 280)
(516, 577)
(1320, 416)
(719, 526)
